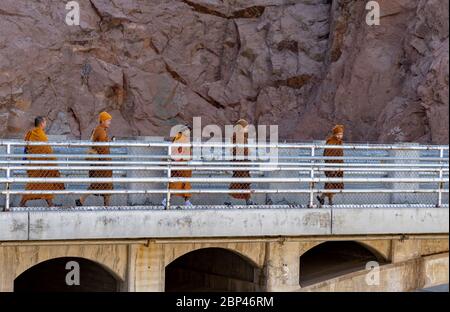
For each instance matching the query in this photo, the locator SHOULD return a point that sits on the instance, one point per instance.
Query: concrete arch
(102, 265)
(380, 248)
(331, 259)
(52, 274)
(307, 246)
(34, 255)
(212, 269)
(392, 277)
(251, 252)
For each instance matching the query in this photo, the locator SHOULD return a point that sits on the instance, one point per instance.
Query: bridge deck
(389, 189)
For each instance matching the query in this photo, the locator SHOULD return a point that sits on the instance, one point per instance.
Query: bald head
(40, 122)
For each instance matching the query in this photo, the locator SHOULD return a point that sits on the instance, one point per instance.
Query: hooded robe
(334, 152)
(100, 134)
(184, 154)
(38, 135)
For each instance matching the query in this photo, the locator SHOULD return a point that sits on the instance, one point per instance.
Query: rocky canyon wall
(301, 64)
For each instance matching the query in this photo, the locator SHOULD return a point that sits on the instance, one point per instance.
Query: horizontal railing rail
(228, 145)
(372, 173)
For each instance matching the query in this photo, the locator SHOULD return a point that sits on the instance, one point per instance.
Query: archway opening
(212, 269)
(61, 275)
(332, 259)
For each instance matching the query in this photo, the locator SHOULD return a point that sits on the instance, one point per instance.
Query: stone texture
(301, 64)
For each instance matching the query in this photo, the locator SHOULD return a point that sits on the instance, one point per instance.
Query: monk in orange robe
(181, 153)
(100, 134)
(37, 134)
(335, 139)
(240, 154)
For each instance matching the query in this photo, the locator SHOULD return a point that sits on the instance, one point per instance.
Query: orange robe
(334, 152)
(241, 152)
(38, 135)
(181, 151)
(100, 134)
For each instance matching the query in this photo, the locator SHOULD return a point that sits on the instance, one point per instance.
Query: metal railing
(373, 174)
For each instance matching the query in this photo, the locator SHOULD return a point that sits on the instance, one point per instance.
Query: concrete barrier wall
(13, 226)
(161, 224)
(115, 224)
(348, 221)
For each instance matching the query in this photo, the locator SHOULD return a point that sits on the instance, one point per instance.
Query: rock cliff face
(301, 64)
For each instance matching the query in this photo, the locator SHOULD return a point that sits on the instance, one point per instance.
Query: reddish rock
(302, 64)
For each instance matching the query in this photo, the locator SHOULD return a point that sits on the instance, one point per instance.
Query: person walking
(181, 154)
(336, 138)
(37, 134)
(100, 134)
(240, 154)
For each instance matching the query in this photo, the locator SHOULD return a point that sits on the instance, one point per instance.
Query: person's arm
(47, 149)
(26, 139)
(233, 149)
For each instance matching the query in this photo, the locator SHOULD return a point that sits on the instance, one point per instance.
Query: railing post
(311, 185)
(441, 175)
(169, 175)
(8, 175)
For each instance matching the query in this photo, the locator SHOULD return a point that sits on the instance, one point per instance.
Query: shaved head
(38, 121)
